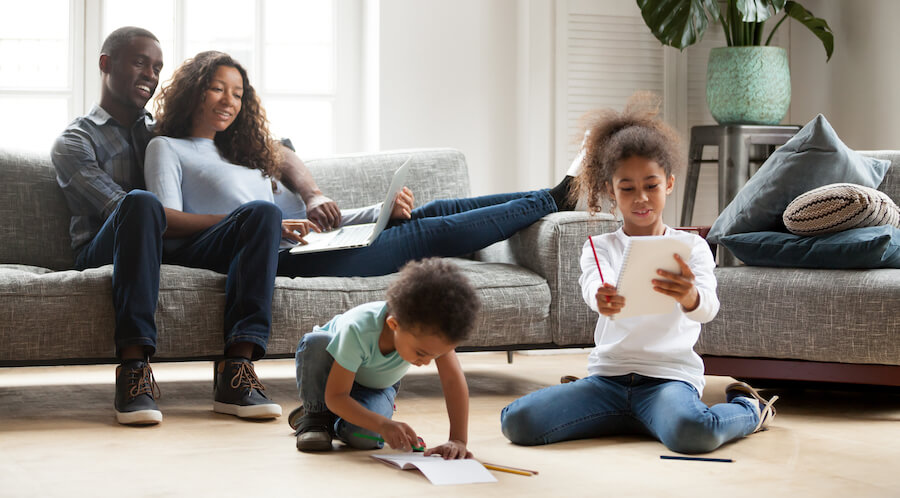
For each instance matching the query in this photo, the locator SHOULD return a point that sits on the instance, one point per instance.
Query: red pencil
(594, 250)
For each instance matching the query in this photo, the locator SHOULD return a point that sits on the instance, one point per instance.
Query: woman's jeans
(242, 246)
(313, 366)
(447, 228)
(669, 410)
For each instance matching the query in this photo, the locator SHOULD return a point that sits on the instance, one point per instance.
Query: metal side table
(739, 147)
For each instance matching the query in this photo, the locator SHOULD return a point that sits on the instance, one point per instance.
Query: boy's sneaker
(313, 430)
(764, 407)
(239, 392)
(136, 393)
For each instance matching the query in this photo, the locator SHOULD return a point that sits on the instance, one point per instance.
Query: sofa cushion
(839, 206)
(843, 316)
(868, 247)
(814, 157)
(191, 305)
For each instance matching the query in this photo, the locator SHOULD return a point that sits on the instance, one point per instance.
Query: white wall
(478, 75)
(857, 90)
(448, 78)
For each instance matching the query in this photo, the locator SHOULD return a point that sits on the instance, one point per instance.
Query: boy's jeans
(595, 406)
(313, 366)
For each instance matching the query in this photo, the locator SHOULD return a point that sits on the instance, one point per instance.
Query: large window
(37, 76)
(296, 51)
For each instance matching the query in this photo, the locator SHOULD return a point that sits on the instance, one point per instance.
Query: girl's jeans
(313, 366)
(668, 410)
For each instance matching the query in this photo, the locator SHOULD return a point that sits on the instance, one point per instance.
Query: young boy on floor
(349, 370)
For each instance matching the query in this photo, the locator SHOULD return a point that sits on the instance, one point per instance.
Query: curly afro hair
(612, 137)
(435, 294)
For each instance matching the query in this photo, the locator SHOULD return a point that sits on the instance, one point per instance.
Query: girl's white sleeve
(162, 173)
(702, 265)
(590, 280)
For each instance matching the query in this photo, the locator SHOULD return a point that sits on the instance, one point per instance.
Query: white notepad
(438, 470)
(643, 256)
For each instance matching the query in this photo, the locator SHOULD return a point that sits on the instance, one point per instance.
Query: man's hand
(290, 229)
(403, 205)
(450, 450)
(323, 211)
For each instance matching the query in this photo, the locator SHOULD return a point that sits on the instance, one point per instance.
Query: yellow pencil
(511, 470)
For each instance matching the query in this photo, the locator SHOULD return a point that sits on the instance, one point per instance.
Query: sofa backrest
(363, 179)
(891, 183)
(34, 217)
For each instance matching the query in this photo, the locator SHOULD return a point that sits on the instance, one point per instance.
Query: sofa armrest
(551, 247)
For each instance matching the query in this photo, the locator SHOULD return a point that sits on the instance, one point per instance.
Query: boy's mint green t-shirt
(354, 346)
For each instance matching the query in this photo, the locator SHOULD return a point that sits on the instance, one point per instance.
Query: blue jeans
(595, 406)
(243, 246)
(450, 227)
(313, 366)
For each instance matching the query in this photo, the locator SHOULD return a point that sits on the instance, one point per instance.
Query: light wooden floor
(58, 437)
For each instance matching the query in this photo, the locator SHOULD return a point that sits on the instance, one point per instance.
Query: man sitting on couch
(99, 165)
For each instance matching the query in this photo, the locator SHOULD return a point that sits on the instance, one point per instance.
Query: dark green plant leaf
(678, 23)
(818, 26)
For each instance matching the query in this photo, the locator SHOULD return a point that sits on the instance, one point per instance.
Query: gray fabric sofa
(802, 324)
(50, 314)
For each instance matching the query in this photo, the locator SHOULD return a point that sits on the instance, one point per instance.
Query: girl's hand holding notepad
(609, 302)
(450, 450)
(679, 286)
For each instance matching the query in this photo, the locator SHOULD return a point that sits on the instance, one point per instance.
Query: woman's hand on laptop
(297, 229)
(403, 205)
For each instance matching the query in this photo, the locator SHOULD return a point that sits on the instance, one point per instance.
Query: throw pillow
(814, 157)
(839, 206)
(869, 247)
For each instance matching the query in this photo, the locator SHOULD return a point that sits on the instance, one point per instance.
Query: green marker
(380, 440)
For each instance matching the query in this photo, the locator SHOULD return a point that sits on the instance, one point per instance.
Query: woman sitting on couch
(214, 154)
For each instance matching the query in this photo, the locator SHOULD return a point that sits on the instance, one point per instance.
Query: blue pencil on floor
(697, 459)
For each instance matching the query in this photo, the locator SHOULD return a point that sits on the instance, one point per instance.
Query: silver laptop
(362, 235)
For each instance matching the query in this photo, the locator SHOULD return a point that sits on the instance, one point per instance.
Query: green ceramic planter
(748, 85)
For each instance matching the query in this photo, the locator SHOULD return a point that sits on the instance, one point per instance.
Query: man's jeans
(447, 228)
(669, 410)
(313, 366)
(244, 246)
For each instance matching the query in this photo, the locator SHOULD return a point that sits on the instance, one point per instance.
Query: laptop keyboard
(351, 236)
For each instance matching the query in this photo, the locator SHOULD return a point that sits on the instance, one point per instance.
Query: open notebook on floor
(362, 235)
(438, 470)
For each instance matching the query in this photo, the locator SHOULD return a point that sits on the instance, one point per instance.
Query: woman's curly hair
(246, 142)
(612, 136)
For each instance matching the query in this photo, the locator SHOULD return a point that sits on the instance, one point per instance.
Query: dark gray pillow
(814, 157)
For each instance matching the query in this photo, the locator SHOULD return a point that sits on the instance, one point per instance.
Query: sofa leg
(509, 357)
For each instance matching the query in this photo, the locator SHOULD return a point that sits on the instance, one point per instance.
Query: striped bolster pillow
(837, 207)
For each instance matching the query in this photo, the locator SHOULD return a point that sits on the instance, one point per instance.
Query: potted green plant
(748, 82)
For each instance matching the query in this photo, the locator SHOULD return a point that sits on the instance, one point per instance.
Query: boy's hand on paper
(608, 301)
(297, 229)
(403, 206)
(451, 450)
(679, 286)
(398, 435)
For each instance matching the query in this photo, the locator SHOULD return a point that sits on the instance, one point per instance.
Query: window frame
(86, 38)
